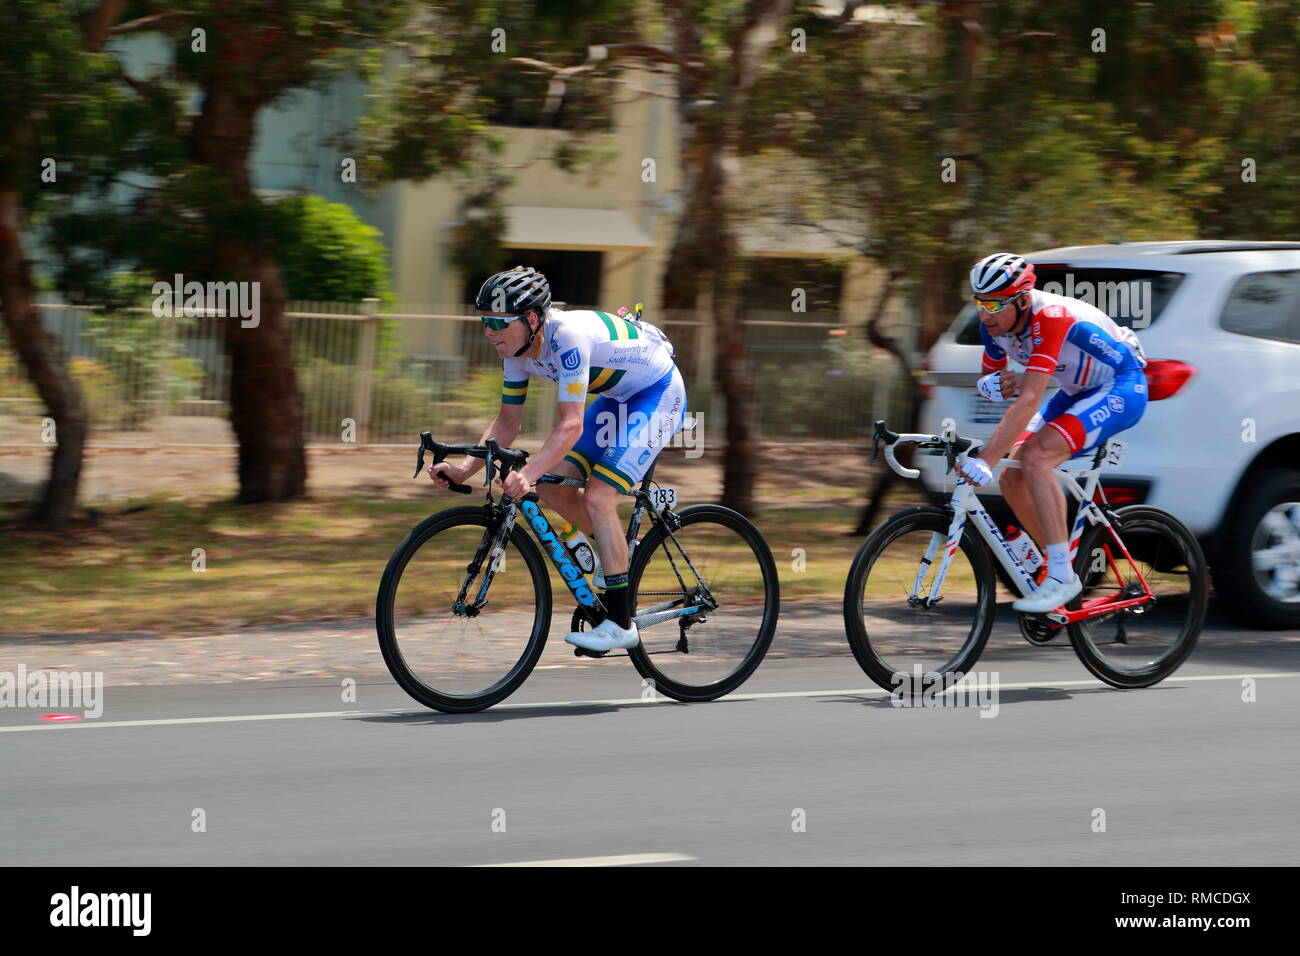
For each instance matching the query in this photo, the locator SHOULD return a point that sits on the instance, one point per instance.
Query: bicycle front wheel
(902, 632)
(1142, 645)
(469, 659)
(706, 599)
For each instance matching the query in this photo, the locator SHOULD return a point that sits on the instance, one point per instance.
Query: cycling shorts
(621, 440)
(1089, 418)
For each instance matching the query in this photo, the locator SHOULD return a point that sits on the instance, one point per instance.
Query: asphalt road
(808, 765)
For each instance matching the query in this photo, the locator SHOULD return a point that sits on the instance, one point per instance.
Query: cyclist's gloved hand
(976, 471)
(990, 387)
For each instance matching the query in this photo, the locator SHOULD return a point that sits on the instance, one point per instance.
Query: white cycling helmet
(1001, 274)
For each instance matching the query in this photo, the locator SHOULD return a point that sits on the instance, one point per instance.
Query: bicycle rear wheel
(708, 599)
(900, 640)
(461, 662)
(1140, 646)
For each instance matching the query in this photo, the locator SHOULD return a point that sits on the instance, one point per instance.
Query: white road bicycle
(921, 595)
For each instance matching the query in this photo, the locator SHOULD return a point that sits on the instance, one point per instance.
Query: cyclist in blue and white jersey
(1098, 367)
(640, 405)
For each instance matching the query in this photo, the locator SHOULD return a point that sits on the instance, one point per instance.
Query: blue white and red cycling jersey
(1077, 344)
(1096, 363)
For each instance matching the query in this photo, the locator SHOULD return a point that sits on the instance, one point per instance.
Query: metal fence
(379, 377)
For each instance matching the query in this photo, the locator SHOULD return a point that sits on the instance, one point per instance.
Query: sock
(1058, 562)
(615, 600)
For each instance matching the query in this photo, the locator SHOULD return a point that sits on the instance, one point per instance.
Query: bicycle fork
(950, 546)
(492, 549)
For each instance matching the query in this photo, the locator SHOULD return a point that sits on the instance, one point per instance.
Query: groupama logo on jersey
(571, 360)
(1102, 347)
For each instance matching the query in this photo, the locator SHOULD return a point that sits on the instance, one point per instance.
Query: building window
(519, 98)
(574, 277)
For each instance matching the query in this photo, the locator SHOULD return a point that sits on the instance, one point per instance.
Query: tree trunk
(42, 357)
(266, 407)
(731, 372)
(878, 338)
(711, 106)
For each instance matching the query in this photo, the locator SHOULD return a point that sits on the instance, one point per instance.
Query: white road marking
(615, 702)
(631, 859)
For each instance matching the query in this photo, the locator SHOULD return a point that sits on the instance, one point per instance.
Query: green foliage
(329, 254)
(1053, 143)
(105, 393)
(162, 204)
(135, 364)
(329, 392)
(56, 102)
(480, 390)
(433, 116)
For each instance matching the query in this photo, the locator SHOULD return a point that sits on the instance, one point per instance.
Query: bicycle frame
(1082, 483)
(572, 575)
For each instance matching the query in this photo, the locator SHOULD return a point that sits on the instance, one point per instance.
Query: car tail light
(1119, 495)
(1124, 491)
(1165, 378)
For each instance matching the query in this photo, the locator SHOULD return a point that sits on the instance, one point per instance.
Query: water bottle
(579, 547)
(1022, 546)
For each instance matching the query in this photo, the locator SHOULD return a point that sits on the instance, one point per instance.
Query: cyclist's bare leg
(566, 500)
(602, 503)
(1012, 483)
(1040, 456)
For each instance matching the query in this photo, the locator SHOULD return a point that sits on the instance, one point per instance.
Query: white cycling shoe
(605, 636)
(1050, 596)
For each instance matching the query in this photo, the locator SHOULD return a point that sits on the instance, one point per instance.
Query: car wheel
(1258, 575)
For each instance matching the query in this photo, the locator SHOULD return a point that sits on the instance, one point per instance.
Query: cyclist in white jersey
(640, 404)
(1096, 364)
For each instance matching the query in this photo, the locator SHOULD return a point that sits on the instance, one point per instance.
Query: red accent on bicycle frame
(1099, 606)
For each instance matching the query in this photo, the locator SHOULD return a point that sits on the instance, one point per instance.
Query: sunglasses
(994, 306)
(496, 323)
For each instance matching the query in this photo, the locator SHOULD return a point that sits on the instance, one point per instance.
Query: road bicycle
(921, 593)
(464, 607)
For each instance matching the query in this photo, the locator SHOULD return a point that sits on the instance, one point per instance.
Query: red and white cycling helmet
(1003, 274)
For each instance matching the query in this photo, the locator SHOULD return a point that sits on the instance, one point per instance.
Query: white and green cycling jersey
(588, 351)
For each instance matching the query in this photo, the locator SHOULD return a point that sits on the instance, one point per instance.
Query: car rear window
(1134, 298)
(1265, 305)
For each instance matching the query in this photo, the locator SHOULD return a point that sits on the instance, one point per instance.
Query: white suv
(1220, 325)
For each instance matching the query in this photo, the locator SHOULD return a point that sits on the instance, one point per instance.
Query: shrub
(399, 406)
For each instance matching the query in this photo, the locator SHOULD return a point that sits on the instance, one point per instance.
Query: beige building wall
(644, 130)
(642, 201)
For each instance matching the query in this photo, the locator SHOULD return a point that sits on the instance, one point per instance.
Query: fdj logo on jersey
(571, 573)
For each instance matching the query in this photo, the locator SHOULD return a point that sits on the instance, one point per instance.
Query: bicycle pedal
(583, 652)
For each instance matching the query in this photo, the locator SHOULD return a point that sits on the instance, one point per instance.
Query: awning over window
(563, 227)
